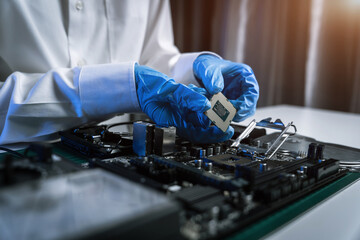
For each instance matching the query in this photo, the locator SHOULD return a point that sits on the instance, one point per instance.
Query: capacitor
(215, 212)
(209, 151)
(198, 163)
(217, 150)
(202, 153)
(208, 166)
(319, 151)
(303, 169)
(311, 151)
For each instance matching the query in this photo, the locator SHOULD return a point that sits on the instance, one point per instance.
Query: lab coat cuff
(183, 69)
(107, 89)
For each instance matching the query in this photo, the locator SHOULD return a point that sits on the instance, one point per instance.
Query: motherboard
(170, 187)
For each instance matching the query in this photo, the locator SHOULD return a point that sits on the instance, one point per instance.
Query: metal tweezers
(266, 123)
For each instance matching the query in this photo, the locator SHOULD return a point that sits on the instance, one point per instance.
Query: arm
(33, 106)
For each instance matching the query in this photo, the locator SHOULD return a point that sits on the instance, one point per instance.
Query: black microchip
(221, 111)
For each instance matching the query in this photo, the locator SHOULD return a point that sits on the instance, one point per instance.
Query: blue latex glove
(237, 82)
(168, 103)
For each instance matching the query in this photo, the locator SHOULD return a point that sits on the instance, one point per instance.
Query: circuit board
(207, 191)
(221, 188)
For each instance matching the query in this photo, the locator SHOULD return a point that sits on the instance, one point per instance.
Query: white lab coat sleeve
(36, 105)
(159, 51)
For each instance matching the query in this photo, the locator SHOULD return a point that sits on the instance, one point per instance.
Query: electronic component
(91, 204)
(311, 151)
(221, 112)
(228, 160)
(266, 123)
(38, 162)
(321, 169)
(222, 188)
(245, 133)
(143, 138)
(97, 141)
(164, 142)
(280, 140)
(319, 152)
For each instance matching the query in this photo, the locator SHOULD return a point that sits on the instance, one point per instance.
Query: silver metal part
(198, 163)
(281, 138)
(210, 167)
(352, 166)
(221, 112)
(266, 123)
(245, 133)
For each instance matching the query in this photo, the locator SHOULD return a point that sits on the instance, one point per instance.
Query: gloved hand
(168, 103)
(237, 82)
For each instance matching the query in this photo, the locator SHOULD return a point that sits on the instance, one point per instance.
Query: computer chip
(221, 112)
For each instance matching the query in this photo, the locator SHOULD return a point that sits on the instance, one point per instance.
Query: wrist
(115, 90)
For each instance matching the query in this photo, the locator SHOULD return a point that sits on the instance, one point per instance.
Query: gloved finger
(245, 99)
(208, 135)
(166, 89)
(244, 111)
(245, 105)
(189, 99)
(165, 114)
(238, 77)
(198, 119)
(200, 90)
(209, 72)
(169, 103)
(162, 114)
(213, 79)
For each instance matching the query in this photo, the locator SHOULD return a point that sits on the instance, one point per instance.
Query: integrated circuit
(221, 112)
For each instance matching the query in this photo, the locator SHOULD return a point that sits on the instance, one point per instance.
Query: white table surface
(336, 218)
(323, 125)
